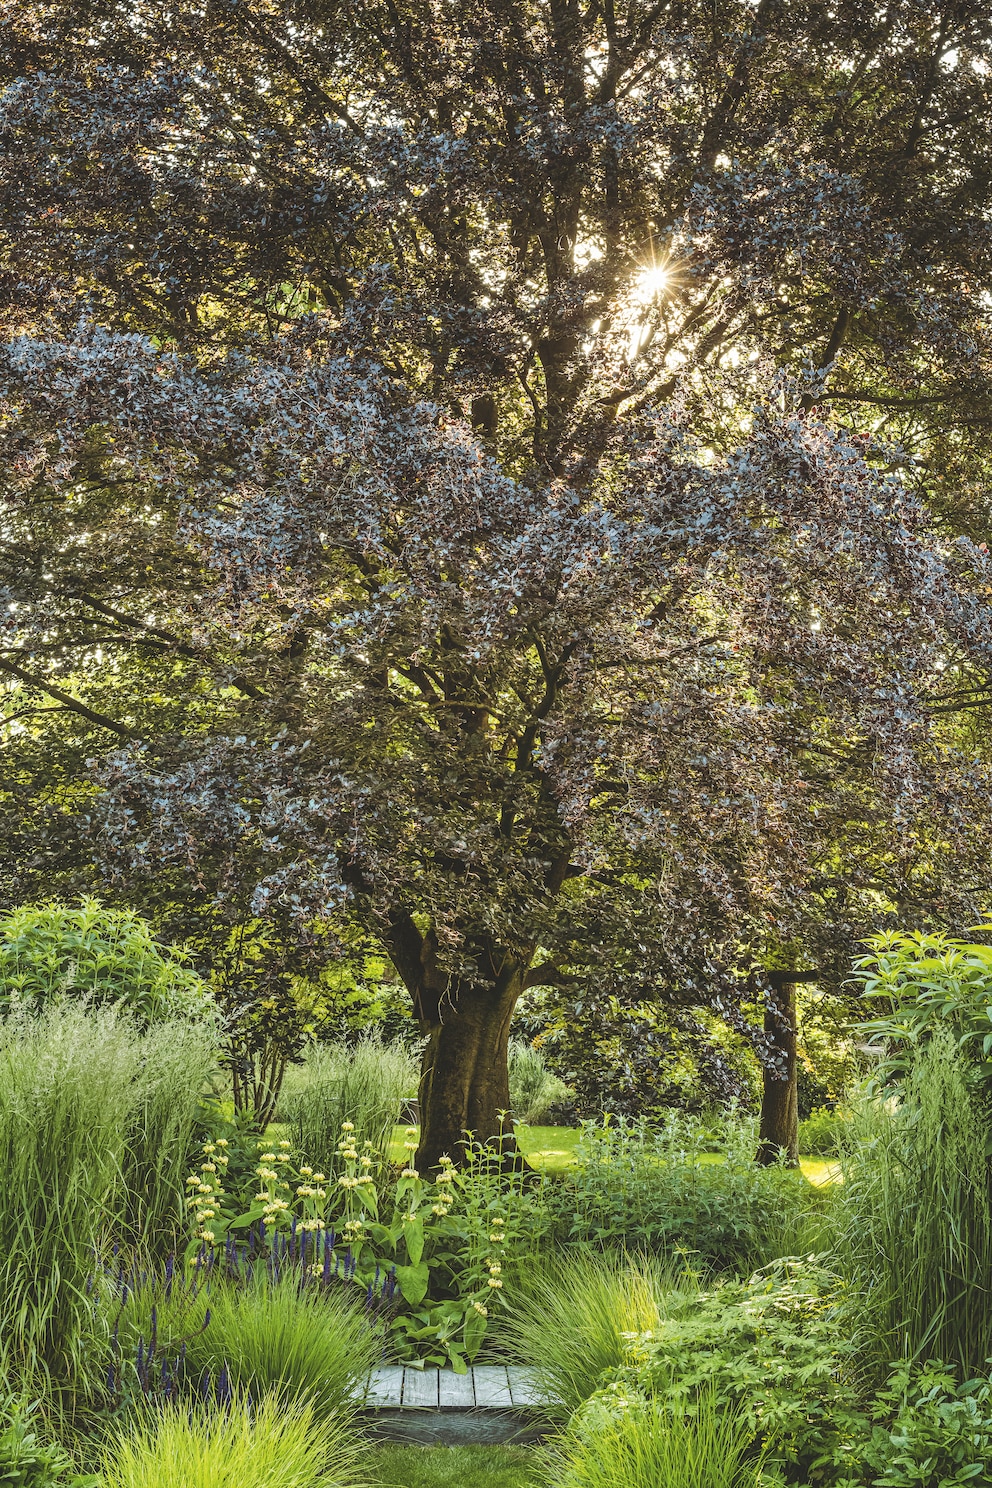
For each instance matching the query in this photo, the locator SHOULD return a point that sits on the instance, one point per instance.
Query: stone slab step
(495, 1387)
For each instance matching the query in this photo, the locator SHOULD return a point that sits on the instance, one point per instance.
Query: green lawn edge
(552, 1149)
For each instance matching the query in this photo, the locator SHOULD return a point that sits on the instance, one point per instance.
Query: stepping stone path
(491, 1403)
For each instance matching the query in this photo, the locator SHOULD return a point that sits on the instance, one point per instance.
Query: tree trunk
(464, 1082)
(779, 1129)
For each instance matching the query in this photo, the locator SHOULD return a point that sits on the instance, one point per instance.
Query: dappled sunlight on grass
(552, 1149)
(821, 1171)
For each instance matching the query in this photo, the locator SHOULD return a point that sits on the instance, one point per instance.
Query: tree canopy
(511, 475)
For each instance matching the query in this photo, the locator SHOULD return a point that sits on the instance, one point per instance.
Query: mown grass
(457, 1467)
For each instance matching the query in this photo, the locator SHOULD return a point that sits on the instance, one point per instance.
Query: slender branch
(167, 637)
(73, 704)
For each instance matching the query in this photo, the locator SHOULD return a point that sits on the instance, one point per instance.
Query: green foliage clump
(363, 1082)
(256, 1445)
(623, 1441)
(915, 1219)
(105, 955)
(533, 1088)
(685, 1186)
(777, 1349)
(26, 1461)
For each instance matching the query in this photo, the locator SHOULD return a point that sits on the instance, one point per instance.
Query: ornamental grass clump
(277, 1334)
(915, 1232)
(575, 1315)
(178, 1057)
(243, 1445)
(70, 1085)
(533, 1088)
(363, 1083)
(650, 1444)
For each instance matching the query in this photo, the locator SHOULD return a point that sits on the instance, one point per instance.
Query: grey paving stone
(420, 1388)
(492, 1388)
(385, 1386)
(456, 1391)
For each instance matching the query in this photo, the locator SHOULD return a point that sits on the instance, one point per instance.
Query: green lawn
(551, 1149)
(457, 1467)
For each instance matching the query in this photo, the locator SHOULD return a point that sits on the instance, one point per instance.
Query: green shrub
(104, 955)
(620, 1441)
(823, 1132)
(666, 1190)
(915, 1233)
(927, 984)
(533, 1088)
(263, 1445)
(364, 1083)
(777, 1348)
(278, 1336)
(574, 1315)
(938, 1433)
(69, 1088)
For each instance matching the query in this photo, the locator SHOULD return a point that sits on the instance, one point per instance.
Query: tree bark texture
(779, 1128)
(464, 1082)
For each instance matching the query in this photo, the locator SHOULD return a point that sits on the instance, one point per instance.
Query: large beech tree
(637, 686)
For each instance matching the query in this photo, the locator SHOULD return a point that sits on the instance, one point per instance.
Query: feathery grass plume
(533, 1088)
(571, 1315)
(915, 1237)
(276, 1334)
(364, 1083)
(260, 1445)
(178, 1058)
(70, 1082)
(650, 1444)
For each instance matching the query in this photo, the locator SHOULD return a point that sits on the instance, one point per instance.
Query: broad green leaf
(413, 1282)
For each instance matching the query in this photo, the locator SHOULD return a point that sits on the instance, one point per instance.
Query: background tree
(642, 688)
